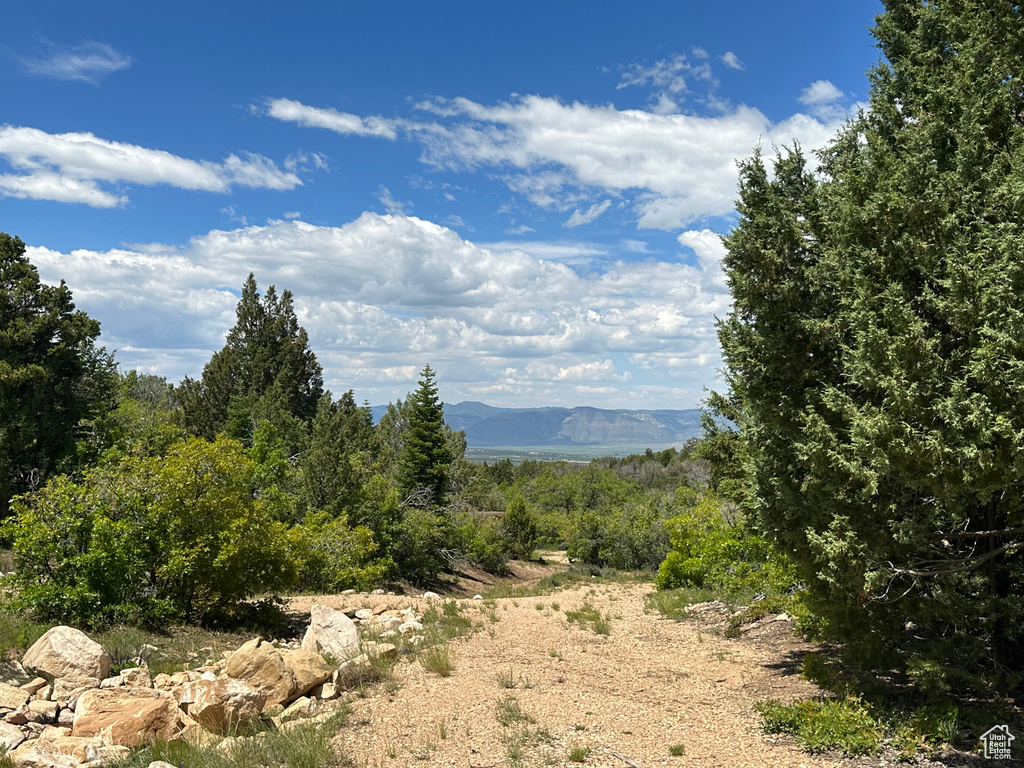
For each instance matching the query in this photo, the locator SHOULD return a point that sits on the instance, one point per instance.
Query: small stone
(431, 596)
(383, 651)
(363, 614)
(478, 597)
(300, 708)
(35, 686)
(327, 691)
(137, 677)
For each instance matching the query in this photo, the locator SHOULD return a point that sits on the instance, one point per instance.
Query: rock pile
(61, 708)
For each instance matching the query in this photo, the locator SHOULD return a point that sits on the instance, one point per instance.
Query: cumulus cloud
(72, 168)
(820, 92)
(679, 167)
(822, 98)
(579, 217)
(87, 62)
(384, 294)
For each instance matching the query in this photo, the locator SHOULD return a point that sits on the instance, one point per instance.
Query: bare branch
(963, 567)
(976, 534)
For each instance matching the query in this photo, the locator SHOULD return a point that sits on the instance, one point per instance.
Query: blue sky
(527, 196)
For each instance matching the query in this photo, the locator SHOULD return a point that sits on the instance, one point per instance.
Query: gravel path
(628, 697)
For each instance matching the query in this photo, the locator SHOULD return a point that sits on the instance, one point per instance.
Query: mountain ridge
(488, 425)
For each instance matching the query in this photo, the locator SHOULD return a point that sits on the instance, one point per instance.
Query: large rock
(223, 705)
(331, 633)
(129, 717)
(309, 669)
(11, 697)
(67, 652)
(40, 753)
(10, 737)
(262, 666)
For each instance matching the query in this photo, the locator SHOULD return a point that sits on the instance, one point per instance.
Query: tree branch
(962, 567)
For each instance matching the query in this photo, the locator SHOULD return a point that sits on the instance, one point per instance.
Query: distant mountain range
(487, 425)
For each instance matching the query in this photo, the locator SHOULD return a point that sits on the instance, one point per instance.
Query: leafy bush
(148, 541)
(331, 556)
(709, 551)
(519, 529)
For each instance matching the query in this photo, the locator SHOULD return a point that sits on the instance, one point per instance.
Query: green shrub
(579, 754)
(149, 541)
(519, 529)
(708, 550)
(820, 725)
(331, 556)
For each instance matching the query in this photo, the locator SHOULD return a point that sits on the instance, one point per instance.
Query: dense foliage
(52, 376)
(876, 350)
(265, 371)
(176, 537)
(181, 503)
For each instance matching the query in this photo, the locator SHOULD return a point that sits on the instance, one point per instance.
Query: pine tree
(265, 370)
(426, 457)
(52, 376)
(876, 347)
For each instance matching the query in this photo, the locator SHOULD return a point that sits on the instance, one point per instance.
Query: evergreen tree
(265, 370)
(876, 348)
(52, 376)
(426, 455)
(331, 466)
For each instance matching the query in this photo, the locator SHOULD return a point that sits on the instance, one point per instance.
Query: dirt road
(647, 688)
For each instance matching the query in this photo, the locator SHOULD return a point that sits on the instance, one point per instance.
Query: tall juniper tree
(265, 370)
(876, 346)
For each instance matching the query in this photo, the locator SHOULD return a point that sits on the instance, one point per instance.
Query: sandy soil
(628, 696)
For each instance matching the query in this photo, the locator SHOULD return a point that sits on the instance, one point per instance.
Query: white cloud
(579, 218)
(339, 122)
(384, 294)
(669, 74)
(682, 167)
(70, 167)
(732, 61)
(390, 204)
(822, 98)
(522, 229)
(457, 221)
(87, 62)
(820, 92)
